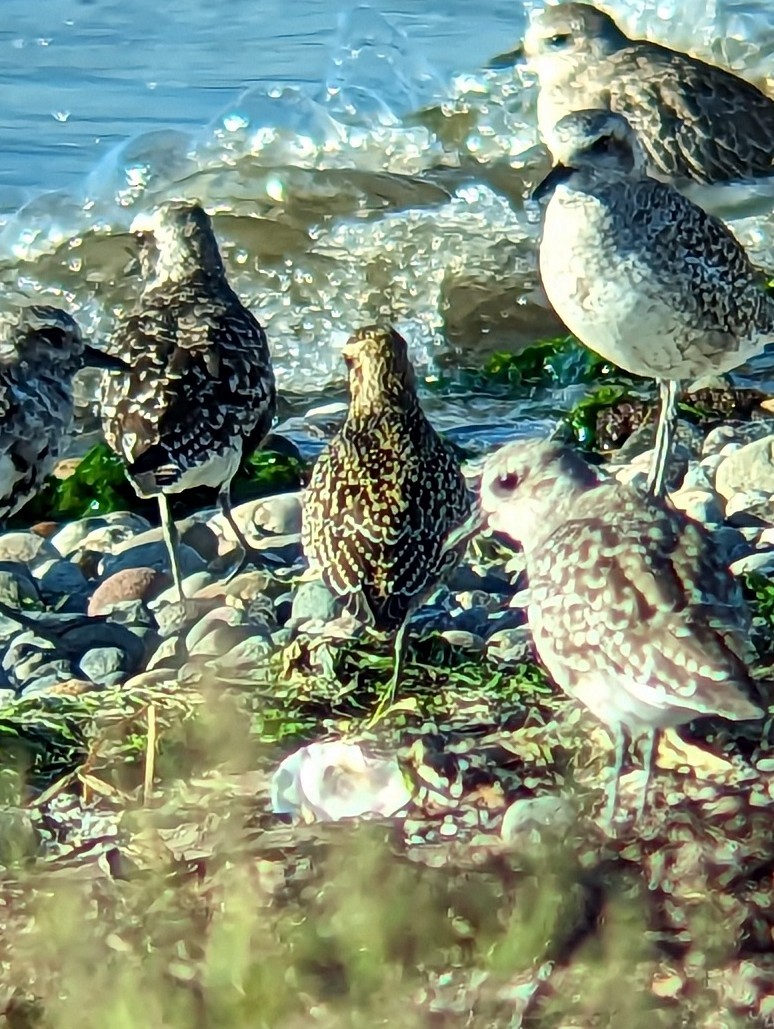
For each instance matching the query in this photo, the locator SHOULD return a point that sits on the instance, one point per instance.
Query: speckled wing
(380, 504)
(33, 427)
(676, 104)
(648, 600)
(201, 384)
(717, 284)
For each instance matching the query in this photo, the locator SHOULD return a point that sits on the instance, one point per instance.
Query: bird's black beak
(558, 174)
(94, 358)
(507, 60)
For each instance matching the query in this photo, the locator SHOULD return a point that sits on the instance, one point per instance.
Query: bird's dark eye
(507, 482)
(604, 145)
(559, 40)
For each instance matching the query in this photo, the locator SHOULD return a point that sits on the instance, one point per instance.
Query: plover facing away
(201, 390)
(386, 510)
(41, 348)
(633, 610)
(639, 273)
(697, 123)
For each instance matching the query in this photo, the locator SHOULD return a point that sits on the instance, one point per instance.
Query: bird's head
(175, 242)
(529, 486)
(379, 367)
(563, 38)
(595, 143)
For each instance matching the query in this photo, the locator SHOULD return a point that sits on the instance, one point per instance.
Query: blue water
(77, 76)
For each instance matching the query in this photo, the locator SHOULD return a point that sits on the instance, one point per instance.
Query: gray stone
(213, 619)
(314, 602)
(191, 586)
(736, 434)
(749, 508)
(151, 555)
(761, 562)
(102, 533)
(279, 515)
(16, 584)
(58, 577)
(104, 666)
(25, 548)
(131, 613)
(750, 468)
(704, 506)
(248, 656)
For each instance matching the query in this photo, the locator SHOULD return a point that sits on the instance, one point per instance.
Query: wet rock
(761, 562)
(750, 468)
(750, 508)
(103, 533)
(16, 584)
(192, 584)
(725, 439)
(151, 555)
(130, 584)
(174, 617)
(25, 548)
(247, 657)
(279, 515)
(59, 578)
(104, 666)
(246, 586)
(30, 659)
(704, 506)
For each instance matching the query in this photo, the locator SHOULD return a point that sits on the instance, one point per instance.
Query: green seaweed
(99, 486)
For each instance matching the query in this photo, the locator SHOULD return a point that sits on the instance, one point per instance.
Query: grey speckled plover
(41, 348)
(639, 273)
(632, 607)
(387, 497)
(697, 123)
(201, 390)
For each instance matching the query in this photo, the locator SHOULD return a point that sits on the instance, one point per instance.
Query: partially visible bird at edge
(201, 389)
(387, 513)
(702, 128)
(41, 349)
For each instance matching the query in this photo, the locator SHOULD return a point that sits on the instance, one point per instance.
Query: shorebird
(697, 123)
(41, 348)
(387, 512)
(639, 273)
(201, 390)
(633, 610)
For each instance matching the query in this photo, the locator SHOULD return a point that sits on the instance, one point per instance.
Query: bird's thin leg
(621, 739)
(649, 758)
(224, 503)
(172, 540)
(665, 434)
(399, 660)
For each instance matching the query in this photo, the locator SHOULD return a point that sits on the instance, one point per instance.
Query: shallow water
(361, 161)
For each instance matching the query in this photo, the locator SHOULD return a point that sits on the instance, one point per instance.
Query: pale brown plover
(632, 607)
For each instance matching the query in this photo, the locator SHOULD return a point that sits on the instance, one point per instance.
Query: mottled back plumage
(201, 386)
(41, 348)
(632, 606)
(696, 122)
(386, 493)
